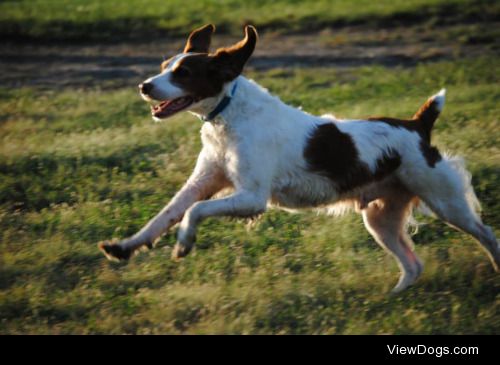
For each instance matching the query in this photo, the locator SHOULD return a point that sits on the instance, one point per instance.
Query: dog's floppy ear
(199, 39)
(230, 61)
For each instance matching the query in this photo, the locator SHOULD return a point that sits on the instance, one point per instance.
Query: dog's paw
(114, 251)
(180, 251)
(186, 234)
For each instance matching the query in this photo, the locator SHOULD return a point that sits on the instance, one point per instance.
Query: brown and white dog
(272, 154)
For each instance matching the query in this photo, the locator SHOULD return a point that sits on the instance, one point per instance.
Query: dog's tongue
(170, 107)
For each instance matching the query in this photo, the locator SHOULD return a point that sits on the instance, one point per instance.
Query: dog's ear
(199, 39)
(229, 61)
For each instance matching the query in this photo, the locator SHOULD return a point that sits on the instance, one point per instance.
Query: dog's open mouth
(169, 107)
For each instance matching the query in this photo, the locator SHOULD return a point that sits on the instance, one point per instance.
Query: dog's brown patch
(332, 153)
(199, 40)
(203, 74)
(115, 251)
(421, 123)
(197, 76)
(429, 152)
(231, 60)
(426, 116)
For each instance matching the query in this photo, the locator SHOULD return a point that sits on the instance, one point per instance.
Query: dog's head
(195, 79)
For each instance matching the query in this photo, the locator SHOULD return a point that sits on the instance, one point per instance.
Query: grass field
(83, 164)
(136, 19)
(80, 166)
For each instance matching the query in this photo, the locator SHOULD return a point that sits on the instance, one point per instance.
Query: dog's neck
(248, 101)
(206, 107)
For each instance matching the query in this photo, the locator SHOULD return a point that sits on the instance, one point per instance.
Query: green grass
(135, 19)
(79, 166)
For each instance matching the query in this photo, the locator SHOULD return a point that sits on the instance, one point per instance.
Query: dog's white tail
(429, 112)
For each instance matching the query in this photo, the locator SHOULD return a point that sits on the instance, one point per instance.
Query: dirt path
(118, 65)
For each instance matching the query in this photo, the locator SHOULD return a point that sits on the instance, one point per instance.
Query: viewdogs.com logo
(437, 351)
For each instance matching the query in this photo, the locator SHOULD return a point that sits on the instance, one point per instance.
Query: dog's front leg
(206, 180)
(239, 204)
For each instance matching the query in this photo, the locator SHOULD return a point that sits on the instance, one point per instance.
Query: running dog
(272, 154)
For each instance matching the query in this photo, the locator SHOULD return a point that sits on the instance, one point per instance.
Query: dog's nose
(146, 87)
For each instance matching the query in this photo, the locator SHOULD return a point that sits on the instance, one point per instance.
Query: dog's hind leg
(448, 193)
(386, 220)
(457, 213)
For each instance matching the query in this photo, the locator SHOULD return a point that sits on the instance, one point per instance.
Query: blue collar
(221, 106)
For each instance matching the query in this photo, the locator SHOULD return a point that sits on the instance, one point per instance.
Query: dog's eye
(182, 72)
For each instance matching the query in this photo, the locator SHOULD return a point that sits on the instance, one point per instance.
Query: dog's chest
(220, 142)
(214, 138)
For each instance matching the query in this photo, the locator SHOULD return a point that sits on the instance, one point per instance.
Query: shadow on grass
(50, 314)
(64, 274)
(36, 182)
(137, 28)
(439, 311)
